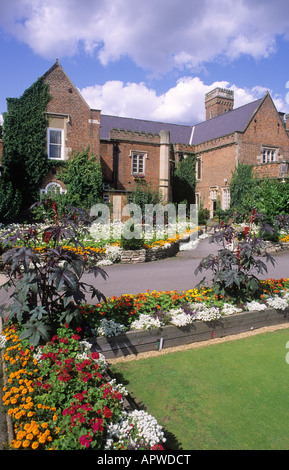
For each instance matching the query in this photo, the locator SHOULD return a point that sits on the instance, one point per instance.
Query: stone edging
(136, 342)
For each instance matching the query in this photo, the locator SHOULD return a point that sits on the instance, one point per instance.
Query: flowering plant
(47, 287)
(237, 264)
(58, 397)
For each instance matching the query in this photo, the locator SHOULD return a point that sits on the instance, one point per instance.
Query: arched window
(53, 189)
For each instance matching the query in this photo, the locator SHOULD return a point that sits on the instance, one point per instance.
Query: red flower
(107, 412)
(76, 337)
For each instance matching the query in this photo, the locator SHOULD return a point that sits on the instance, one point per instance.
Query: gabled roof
(227, 123)
(233, 121)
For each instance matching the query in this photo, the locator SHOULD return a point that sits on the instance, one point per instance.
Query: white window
(53, 189)
(269, 155)
(138, 163)
(55, 144)
(225, 198)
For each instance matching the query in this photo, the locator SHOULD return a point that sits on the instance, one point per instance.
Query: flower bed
(104, 242)
(162, 337)
(58, 398)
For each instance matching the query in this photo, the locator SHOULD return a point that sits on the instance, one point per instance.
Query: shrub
(236, 266)
(47, 285)
(132, 237)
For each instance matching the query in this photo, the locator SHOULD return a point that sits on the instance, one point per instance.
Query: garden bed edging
(134, 342)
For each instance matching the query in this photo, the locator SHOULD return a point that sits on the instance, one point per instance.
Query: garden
(58, 394)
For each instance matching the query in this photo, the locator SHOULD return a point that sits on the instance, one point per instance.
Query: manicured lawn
(233, 395)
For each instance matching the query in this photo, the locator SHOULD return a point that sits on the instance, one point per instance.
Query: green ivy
(82, 176)
(242, 184)
(184, 181)
(25, 160)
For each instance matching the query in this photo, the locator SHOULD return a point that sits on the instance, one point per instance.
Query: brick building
(131, 149)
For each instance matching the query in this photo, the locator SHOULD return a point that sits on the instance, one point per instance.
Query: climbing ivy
(184, 180)
(82, 176)
(25, 160)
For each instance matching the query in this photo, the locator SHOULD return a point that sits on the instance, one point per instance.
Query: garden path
(175, 273)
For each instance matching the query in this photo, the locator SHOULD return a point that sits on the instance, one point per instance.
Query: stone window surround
(264, 148)
(138, 153)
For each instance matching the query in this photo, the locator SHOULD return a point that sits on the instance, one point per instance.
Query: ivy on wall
(82, 176)
(25, 160)
(184, 180)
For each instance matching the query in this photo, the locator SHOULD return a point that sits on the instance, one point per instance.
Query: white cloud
(183, 103)
(157, 35)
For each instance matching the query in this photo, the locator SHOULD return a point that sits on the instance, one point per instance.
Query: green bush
(129, 242)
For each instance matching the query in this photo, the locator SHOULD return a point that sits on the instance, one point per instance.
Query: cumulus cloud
(183, 103)
(158, 35)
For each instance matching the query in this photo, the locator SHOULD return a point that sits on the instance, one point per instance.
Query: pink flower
(85, 440)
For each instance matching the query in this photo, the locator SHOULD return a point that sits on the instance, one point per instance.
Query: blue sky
(151, 60)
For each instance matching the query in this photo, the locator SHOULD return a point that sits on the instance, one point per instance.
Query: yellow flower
(44, 425)
(35, 445)
(26, 443)
(16, 444)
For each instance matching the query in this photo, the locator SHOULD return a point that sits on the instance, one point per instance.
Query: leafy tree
(82, 176)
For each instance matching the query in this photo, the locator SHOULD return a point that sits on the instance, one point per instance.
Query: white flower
(135, 429)
(145, 322)
(277, 302)
(229, 309)
(252, 306)
(205, 313)
(113, 252)
(104, 262)
(180, 318)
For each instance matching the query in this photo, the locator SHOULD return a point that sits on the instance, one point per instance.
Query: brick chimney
(218, 101)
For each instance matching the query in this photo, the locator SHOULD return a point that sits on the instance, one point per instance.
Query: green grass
(233, 395)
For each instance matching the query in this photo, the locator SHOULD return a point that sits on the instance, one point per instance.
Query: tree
(82, 176)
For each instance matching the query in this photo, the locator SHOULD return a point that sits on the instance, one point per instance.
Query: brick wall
(82, 128)
(265, 130)
(218, 161)
(125, 143)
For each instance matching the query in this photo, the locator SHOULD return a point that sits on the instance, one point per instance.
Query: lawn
(232, 395)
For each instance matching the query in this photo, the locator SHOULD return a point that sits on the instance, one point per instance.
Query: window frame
(266, 151)
(61, 131)
(138, 154)
(226, 198)
(53, 183)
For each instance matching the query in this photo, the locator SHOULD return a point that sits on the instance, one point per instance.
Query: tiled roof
(227, 123)
(233, 121)
(178, 133)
